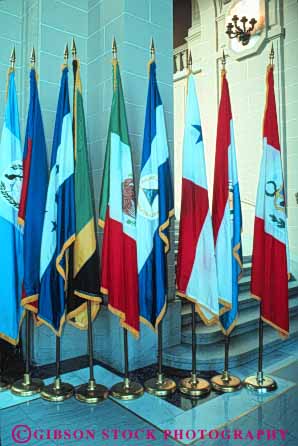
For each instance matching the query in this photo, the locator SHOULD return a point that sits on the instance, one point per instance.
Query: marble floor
(238, 419)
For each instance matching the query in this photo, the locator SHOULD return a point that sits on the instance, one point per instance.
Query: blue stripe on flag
(227, 319)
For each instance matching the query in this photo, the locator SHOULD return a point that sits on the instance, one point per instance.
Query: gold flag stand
(126, 389)
(27, 386)
(194, 386)
(160, 385)
(261, 383)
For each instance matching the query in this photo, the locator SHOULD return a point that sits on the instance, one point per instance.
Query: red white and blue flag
(270, 259)
(226, 213)
(196, 268)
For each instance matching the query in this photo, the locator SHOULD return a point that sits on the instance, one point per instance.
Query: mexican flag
(117, 216)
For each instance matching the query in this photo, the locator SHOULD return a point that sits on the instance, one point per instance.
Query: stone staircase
(244, 337)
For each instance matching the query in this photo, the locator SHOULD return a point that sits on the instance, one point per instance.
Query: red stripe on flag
(270, 119)
(194, 209)
(25, 184)
(119, 273)
(221, 169)
(269, 277)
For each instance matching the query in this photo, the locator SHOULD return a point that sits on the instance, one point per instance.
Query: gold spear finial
(32, 57)
(223, 60)
(73, 49)
(152, 49)
(189, 61)
(271, 56)
(114, 48)
(66, 54)
(13, 57)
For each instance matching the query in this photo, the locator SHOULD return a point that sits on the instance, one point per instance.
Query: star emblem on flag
(199, 129)
(54, 226)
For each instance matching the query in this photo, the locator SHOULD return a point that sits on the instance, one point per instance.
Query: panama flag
(117, 216)
(155, 207)
(11, 236)
(59, 220)
(33, 197)
(226, 213)
(196, 269)
(270, 259)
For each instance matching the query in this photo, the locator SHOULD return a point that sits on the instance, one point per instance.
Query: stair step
(245, 301)
(247, 322)
(243, 348)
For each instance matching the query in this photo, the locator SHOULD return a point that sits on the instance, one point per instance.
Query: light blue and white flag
(155, 208)
(59, 222)
(11, 236)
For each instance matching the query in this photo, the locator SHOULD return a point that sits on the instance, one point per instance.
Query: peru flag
(270, 260)
(196, 267)
(226, 213)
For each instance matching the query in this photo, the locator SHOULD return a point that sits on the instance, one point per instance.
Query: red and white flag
(270, 259)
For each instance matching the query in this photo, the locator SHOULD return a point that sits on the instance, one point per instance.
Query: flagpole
(126, 389)
(193, 386)
(159, 385)
(58, 391)
(27, 386)
(4, 383)
(90, 392)
(261, 383)
(225, 382)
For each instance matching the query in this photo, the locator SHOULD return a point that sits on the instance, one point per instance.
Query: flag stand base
(127, 390)
(4, 384)
(226, 383)
(260, 383)
(27, 386)
(57, 391)
(91, 393)
(194, 386)
(160, 386)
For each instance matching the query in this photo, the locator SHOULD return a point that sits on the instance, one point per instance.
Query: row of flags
(209, 261)
(47, 222)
